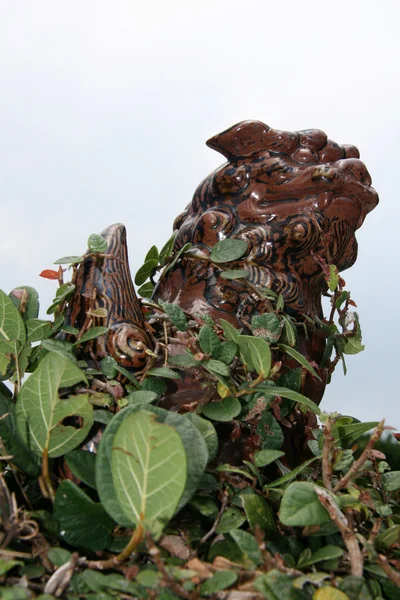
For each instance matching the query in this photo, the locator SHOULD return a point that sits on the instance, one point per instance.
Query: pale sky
(105, 107)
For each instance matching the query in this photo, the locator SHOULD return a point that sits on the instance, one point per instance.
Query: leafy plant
(158, 510)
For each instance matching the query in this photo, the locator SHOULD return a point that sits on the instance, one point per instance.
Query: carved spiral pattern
(127, 345)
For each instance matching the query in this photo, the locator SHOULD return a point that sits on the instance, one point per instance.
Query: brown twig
(374, 531)
(326, 455)
(357, 464)
(172, 584)
(217, 520)
(393, 574)
(349, 538)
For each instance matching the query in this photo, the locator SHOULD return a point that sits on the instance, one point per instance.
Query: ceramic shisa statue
(296, 199)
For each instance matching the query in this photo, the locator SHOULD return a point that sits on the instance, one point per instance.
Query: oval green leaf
(260, 353)
(235, 274)
(228, 250)
(301, 507)
(96, 243)
(83, 523)
(224, 410)
(149, 470)
(40, 412)
(175, 313)
(145, 271)
(300, 359)
(11, 323)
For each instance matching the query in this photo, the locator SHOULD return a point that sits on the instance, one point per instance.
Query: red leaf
(49, 274)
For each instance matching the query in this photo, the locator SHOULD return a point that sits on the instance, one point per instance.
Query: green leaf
(166, 250)
(209, 342)
(164, 372)
(152, 254)
(13, 445)
(208, 431)
(218, 582)
(83, 466)
(40, 412)
(391, 481)
(224, 410)
(149, 470)
(91, 334)
(353, 346)
(146, 290)
(149, 578)
(177, 257)
(290, 395)
(247, 545)
(230, 332)
(8, 358)
(59, 556)
(260, 353)
(228, 250)
(235, 274)
(258, 513)
(300, 359)
(270, 432)
(262, 458)
(356, 588)
(291, 475)
(388, 538)
(154, 384)
(333, 278)
(109, 367)
(228, 352)
(347, 435)
(37, 330)
(232, 518)
(61, 347)
(175, 313)
(26, 300)
(301, 507)
(102, 416)
(329, 593)
(145, 271)
(290, 331)
(193, 442)
(183, 360)
(83, 523)
(70, 260)
(275, 585)
(267, 326)
(218, 367)
(141, 397)
(11, 324)
(7, 565)
(96, 243)
(205, 505)
(325, 553)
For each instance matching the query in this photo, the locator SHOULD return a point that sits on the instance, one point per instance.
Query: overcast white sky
(105, 107)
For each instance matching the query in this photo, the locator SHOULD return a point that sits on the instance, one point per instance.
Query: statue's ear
(243, 139)
(250, 137)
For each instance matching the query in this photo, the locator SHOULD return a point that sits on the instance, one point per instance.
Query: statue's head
(292, 196)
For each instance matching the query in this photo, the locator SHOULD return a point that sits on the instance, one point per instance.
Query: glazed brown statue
(295, 198)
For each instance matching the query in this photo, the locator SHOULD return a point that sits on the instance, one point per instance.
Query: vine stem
(111, 563)
(45, 476)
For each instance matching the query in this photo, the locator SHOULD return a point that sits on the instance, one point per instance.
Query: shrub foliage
(153, 511)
